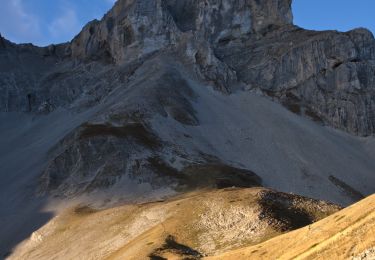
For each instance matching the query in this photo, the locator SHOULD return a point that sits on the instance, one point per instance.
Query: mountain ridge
(122, 114)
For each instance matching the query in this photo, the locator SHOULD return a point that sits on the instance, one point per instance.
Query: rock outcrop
(135, 28)
(327, 75)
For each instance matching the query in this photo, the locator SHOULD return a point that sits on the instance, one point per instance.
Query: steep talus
(168, 96)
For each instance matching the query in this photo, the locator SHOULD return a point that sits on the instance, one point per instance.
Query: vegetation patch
(286, 212)
(220, 176)
(136, 131)
(217, 175)
(282, 216)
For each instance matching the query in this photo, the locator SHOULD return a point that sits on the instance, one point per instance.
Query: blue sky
(342, 15)
(43, 22)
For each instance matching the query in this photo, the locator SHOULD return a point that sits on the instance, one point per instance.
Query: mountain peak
(134, 28)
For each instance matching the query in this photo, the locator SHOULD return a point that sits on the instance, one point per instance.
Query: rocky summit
(165, 97)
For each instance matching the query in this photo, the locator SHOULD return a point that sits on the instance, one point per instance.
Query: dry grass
(344, 235)
(189, 226)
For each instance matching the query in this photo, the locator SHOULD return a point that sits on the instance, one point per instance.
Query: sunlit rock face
(327, 75)
(134, 28)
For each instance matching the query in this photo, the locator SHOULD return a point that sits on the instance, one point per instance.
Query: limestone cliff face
(326, 75)
(131, 29)
(134, 28)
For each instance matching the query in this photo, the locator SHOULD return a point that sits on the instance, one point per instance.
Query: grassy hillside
(348, 233)
(191, 226)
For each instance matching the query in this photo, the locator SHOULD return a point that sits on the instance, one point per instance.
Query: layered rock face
(134, 28)
(327, 75)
